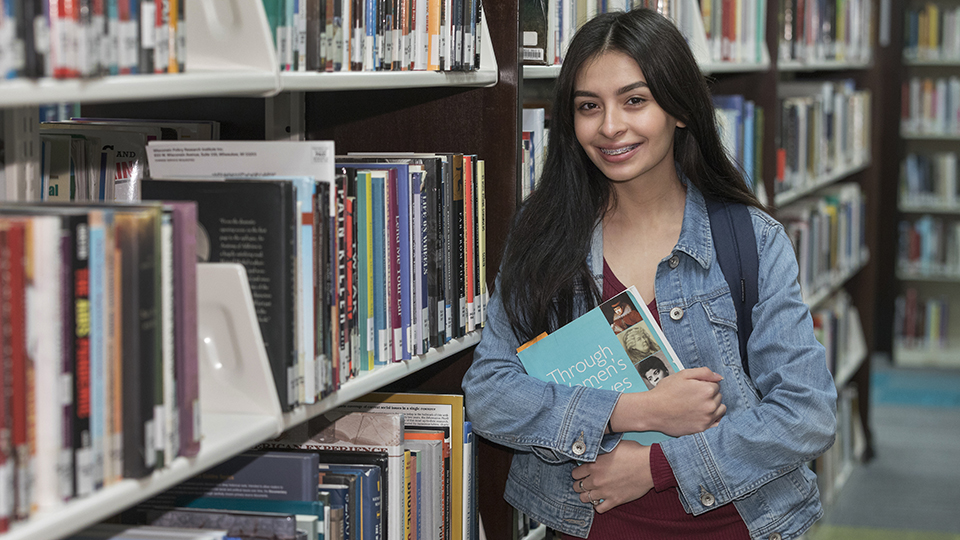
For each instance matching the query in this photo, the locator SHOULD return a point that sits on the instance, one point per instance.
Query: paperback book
(615, 346)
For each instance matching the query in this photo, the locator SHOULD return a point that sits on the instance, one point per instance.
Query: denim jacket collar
(696, 238)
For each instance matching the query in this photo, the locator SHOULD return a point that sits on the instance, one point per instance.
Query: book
(238, 524)
(262, 475)
(257, 229)
(431, 412)
(616, 346)
(369, 497)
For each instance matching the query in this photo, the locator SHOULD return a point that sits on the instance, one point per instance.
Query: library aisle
(911, 489)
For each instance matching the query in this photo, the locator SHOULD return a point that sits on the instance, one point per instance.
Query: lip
(616, 158)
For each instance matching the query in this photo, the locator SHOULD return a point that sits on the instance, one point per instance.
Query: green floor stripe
(830, 532)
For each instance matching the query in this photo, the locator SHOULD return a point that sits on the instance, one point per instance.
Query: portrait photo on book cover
(621, 313)
(627, 323)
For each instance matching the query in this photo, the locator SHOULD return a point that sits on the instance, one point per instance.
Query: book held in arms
(615, 346)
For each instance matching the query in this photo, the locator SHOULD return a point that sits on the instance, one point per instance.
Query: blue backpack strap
(736, 248)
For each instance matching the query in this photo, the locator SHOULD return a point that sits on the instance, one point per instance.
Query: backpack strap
(736, 248)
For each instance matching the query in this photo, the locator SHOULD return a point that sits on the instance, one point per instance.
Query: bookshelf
(233, 77)
(925, 275)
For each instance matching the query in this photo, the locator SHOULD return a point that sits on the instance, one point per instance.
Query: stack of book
(100, 358)
(88, 39)
(370, 35)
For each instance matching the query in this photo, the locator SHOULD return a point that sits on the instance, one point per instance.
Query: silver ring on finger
(581, 487)
(592, 500)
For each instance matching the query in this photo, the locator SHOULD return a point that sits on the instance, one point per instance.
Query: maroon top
(659, 514)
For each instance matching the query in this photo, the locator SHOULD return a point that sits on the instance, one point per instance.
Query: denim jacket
(755, 458)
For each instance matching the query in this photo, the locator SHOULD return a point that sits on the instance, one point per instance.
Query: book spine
(482, 239)
(350, 241)
(7, 456)
(459, 201)
(451, 298)
(185, 327)
(97, 281)
(404, 251)
(13, 307)
(394, 298)
(65, 469)
(422, 269)
(380, 269)
(434, 271)
(147, 35)
(366, 268)
(468, 245)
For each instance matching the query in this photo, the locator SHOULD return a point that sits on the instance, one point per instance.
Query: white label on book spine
(292, 385)
(148, 20)
(41, 34)
(529, 39)
(397, 344)
(161, 52)
(196, 420)
(159, 427)
(66, 389)
(85, 472)
(65, 473)
(6, 489)
(150, 458)
(371, 334)
(384, 346)
(128, 44)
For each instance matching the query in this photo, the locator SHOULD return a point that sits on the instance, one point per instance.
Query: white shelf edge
(787, 66)
(536, 534)
(931, 63)
(926, 356)
(916, 136)
(27, 92)
(836, 283)
(707, 68)
(370, 381)
(849, 369)
(487, 75)
(540, 72)
(225, 436)
(927, 209)
(933, 278)
(787, 197)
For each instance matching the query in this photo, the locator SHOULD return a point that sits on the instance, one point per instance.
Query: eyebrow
(622, 90)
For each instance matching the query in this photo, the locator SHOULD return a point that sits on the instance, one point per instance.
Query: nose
(613, 124)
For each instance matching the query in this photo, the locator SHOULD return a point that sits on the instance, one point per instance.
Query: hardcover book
(615, 346)
(257, 228)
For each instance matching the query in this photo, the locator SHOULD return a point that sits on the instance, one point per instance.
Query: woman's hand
(684, 403)
(618, 477)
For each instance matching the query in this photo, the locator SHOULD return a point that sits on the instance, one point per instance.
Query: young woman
(633, 153)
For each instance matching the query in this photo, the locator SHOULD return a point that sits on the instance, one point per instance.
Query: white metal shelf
(916, 136)
(927, 277)
(238, 402)
(373, 380)
(787, 66)
(837, 280)
(927, 209)
(926, 356)
(707, 68)
(235, 59)
(931, 63)
(787, 197)
(536, 534)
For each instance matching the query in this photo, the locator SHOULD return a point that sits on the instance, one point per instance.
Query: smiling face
(620, 126)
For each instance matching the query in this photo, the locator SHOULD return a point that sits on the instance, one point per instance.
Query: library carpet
(911, 489)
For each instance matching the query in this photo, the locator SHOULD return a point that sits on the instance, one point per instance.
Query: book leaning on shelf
(615, 346)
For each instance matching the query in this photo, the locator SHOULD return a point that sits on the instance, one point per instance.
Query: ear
(681, 124)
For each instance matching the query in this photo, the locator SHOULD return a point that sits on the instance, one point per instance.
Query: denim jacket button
(579, 447)
(776, 536)
(706, 498)
(674, 261)
(676, 314)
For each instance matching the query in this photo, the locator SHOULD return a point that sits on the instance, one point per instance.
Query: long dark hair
(545, 262)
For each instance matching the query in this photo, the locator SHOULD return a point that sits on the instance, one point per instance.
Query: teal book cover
(615, 346)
